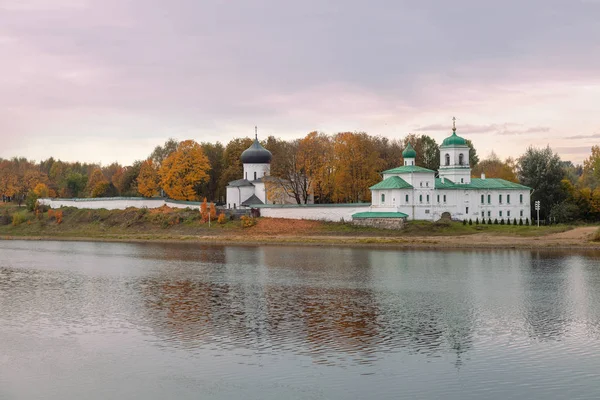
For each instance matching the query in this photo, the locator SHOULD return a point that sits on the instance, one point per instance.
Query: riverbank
(171, 225)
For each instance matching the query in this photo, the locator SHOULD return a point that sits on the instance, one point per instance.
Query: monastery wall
(117, 203)
(318, 212)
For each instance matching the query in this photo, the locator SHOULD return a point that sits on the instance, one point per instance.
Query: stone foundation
(381, 223)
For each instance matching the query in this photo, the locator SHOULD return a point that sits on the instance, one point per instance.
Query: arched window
(482, 198)
(461, 159)
(447, 159)
(382, 198)
(420, 198)
(254, 175)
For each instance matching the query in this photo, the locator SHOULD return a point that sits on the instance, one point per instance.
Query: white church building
(421, 195)
(253, 189)
(408, 192)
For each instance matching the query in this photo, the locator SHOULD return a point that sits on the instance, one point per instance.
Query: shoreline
(459, 242)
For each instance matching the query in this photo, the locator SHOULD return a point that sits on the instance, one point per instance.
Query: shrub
(470, 221)
(502, 221)
(496, 221)
(489, 221)
(464, 221)
(56, 216)
(18, 218)
(483, 221)
(515, 221)
(5, 219)
(222, 219)
(204, 210)
(247, 222)
(527, 221)
(477, 221)
(520, 221)
(507, 221)
(212, 211)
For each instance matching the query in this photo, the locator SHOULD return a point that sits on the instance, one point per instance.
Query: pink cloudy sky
(107, 80)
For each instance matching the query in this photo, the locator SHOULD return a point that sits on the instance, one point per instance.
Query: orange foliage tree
(183, 170)
(148, 179)
(356, 167)
(204, 210)
(493, 167)
(213, 211)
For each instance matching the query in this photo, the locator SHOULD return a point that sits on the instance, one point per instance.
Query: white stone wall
(260, 170)
(238, 194)
(325, 213)
(114, 203)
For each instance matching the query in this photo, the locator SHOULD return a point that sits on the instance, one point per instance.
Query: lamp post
(537, 209)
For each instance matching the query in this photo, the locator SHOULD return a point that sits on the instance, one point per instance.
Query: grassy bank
(176, 224)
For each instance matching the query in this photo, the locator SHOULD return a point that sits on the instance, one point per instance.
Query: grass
(184, 224)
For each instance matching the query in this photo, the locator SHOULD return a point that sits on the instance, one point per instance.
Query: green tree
(541, 170)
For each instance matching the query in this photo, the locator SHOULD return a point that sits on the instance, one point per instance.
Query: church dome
(256, 154)
(409, 152)
(454, 140)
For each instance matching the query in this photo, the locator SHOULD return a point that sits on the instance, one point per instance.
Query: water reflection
(336, 307)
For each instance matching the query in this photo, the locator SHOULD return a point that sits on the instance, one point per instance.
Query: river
(184, 321)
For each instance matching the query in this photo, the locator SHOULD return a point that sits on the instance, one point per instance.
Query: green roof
(370, 214)
(407, 169)
(409, 152)
(480, 184)
(454, 140)
(393, 182)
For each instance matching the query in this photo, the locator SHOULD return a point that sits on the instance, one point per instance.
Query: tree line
(334, 168)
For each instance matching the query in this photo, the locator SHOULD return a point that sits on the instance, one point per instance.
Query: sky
(108, 80)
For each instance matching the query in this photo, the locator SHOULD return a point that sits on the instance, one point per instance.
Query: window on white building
(421, 184)
(444, 198)
(521, 213)
(500, 198)
(406, 198)
(500, 213)
(508, 199)
(462, 180)
(438, 198)
(482, 198)
(420, 198)
(461, 159)
(483, 213)
(254, 175)
(428, 198)
(489, 199)
(521, 198)
(382, 198)
(508, 213)
(489, 214)
(447, 159)
(427, 184)
(467, 211)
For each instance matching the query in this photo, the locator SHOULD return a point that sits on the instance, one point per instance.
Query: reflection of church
(416, 193)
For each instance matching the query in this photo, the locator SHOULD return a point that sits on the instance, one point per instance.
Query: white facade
(253, 172)
(417, 192)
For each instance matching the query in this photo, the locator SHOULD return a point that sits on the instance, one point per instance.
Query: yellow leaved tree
(148, 180)
(184, 170)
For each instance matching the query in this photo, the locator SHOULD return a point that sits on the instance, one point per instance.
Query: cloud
(594, 136)
(574, 150)
(497, 129)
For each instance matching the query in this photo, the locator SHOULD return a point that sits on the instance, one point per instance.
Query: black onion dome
(256, 154)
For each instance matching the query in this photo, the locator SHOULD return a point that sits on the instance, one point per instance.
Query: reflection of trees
(546, 288)
(318, 302)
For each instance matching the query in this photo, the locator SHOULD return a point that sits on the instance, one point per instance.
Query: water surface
(156, 321)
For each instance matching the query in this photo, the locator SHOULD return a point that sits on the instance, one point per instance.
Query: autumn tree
(97, 184)
(292, 175)
(233, 167)
(160, 153)
(211, 188)
(316, 154)
(493, 167)
(148, 179)
(184, 170)
(356, 165)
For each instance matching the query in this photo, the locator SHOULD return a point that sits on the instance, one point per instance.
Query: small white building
(420, 195)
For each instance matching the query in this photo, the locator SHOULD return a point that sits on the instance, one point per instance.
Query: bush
(527, 221)
(464, 221)
(521, 222)
(31, 200)
(56, 216)
(515, 221)
(596, 236)
(507, 221)
(483, 221)
(477, 221)
(18, 218)
(247, 222)
(489, 221)
(502, 221)
(496, 221)
(470, 221)
(222, 219)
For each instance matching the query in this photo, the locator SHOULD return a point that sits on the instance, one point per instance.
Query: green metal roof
(393, 182)
(407, 169)
(409, 152)
(372, 214)
(480, 184)
(454, 140)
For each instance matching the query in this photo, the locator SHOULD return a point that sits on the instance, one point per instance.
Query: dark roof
(252, 200)
(393, 182)
(240, 182)
(480, 184)
(256, 154)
